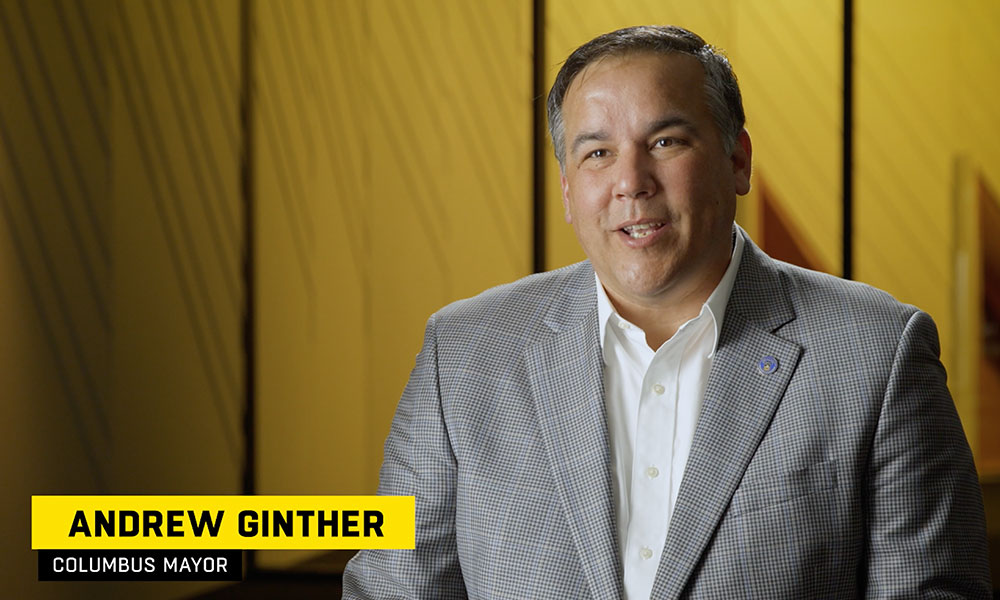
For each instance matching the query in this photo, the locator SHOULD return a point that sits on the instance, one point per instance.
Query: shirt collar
(716, 303)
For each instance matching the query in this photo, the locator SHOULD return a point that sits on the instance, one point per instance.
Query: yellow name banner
(222, 522)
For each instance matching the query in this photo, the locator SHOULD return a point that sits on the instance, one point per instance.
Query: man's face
(647, 185)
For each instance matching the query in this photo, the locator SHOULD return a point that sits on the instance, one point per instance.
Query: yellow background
(392, 173)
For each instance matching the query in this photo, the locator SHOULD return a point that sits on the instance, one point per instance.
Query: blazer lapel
(740, 401)
(566, 372)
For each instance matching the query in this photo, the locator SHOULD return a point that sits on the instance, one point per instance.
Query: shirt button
(659, 389)
(646, 553)
(652, 472)
(624, 325)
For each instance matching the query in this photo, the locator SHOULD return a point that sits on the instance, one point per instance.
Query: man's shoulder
(519, 305)
(772, 290)
(824, 301)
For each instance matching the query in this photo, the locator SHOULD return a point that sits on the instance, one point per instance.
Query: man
(680, 416)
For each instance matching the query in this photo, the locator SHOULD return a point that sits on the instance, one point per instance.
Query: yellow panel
(393, 176)
(177, 367)
(906, 144)
(313, 253)
(926, 114)
(975, 77)
(787, 57)
(310, 259)
(448, 132)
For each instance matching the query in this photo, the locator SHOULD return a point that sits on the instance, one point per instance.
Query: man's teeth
(641, 231)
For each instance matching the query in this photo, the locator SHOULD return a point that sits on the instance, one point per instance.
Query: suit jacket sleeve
(418, 461)
(924, 504)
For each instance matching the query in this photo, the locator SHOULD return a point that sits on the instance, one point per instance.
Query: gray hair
(721, 88)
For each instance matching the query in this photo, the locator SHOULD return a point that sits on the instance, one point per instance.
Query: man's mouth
(642, 230)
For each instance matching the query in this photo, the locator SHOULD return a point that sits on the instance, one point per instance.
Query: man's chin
(642, 288)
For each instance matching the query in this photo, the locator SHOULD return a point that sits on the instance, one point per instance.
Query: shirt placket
(651, 467)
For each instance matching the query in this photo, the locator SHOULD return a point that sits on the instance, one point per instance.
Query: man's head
(721, 88)
(649, 177)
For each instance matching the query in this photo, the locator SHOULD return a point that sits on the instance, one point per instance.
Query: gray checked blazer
(841, 473)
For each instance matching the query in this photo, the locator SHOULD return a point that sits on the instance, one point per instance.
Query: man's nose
(634, 176)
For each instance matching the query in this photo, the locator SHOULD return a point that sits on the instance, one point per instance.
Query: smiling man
(680, 415)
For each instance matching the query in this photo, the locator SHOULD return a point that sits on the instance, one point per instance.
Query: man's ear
(564, 184)
(741, 163)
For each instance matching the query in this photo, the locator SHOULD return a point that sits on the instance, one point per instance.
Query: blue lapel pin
(768, 365)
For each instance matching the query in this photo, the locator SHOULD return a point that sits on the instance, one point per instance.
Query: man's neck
(662, 318)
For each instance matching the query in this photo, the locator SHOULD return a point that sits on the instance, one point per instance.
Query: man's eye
(665, 143)
(598, 154)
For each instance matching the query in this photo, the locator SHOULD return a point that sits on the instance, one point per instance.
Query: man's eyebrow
(667, 123)
(587, 136)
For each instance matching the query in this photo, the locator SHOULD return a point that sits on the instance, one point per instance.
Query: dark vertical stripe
(538, 130)
(249, 260)
(848, 143)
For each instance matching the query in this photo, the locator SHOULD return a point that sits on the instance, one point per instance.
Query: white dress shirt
(653, 400)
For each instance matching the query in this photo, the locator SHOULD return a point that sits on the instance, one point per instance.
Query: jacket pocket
(752, 496)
